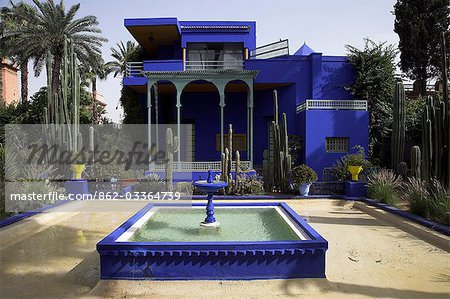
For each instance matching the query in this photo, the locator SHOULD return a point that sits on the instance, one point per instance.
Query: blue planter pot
(304, 189)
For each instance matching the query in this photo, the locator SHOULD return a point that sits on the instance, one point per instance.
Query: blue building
(211, 74)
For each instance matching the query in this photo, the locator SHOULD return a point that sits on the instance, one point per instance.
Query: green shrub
(356, 159)
(339, 171)
(248, 184)
(384, 186)
(440, 197)
(303, 174)
(150, 183)
(415, 192)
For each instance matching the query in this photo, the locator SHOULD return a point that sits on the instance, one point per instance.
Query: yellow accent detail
(354, 170)
(77, 169)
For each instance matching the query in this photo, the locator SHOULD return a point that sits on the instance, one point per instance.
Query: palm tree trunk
(24, 81)
(94, 100)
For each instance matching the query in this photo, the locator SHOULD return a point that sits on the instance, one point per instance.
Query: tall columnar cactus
(402, 168)
(416, 158)
(230, 147)
(280, 168)
(238, 170)
(436, 140)
(268, 179)
(62, 114)
(398, 128)
(172, 146)
(225, 169)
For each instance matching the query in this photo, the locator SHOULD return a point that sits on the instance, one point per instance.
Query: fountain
(256, 240)
(210, 186)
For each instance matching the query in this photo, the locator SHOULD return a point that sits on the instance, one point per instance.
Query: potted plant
(303, 176)
(355, 162)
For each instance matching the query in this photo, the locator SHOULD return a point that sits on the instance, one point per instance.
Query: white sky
(326, 25)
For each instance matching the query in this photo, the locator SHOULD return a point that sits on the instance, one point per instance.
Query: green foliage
(440, 197)
(374, 81)
(129, 99)
(303, 174)
(398, 126)
(415, 192)
(150, 183)
(248, 184)
(419, 25)
(44, 27)
(32, 112)
(384, 186)
(413, 124)
(429, 200)
(358, 158)
(131, 52)
(339, 171)
(132, 109)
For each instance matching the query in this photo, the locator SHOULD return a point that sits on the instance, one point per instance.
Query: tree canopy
(419, 25)
(374, 81)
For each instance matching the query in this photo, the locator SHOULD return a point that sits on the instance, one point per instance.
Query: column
(250, 122)
(222, 106)
(155, 90)
(179, 90)
(149, 118)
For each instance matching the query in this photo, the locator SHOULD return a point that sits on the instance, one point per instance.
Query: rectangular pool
(254, 241)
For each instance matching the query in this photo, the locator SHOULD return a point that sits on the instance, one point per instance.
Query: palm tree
(12, 19)
(92, 72)
(122, 55)
(48, 29)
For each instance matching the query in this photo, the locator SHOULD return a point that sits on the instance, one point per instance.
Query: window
(239, 142)
(337, 144)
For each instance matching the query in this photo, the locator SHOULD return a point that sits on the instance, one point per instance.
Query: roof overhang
(151, 33)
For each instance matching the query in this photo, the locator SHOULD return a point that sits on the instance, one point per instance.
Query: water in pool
(241, 224)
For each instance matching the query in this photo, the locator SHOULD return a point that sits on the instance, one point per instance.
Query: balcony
(135, 69)
(214, 65)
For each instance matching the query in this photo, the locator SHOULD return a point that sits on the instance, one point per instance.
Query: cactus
(63, 104)
(280, 169)
(266, 171)
(226, 165)
(402, 168)
(416, 162)
(230, 147)
(436, 140)
(398, 128)
(172, 146)
(238, 169)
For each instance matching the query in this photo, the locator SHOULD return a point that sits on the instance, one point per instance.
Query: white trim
(125, 237)
(185, 166)
(332, 105)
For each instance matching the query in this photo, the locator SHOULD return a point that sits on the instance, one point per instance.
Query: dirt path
(53, 256)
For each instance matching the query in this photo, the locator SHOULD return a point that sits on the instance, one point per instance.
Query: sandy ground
(53, 255)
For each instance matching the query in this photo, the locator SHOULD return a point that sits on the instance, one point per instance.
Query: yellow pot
(354, 170)
(77, 169)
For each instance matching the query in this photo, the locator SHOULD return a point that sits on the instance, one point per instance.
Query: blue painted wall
(328, 123)
(247, 38)
(315, 76)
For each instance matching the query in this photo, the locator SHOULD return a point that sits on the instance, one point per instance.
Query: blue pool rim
(213, 260)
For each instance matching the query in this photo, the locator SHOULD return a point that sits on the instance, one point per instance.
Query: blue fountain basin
(255, 241)
(213, 187)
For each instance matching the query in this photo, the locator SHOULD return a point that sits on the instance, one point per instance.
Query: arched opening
(236, 114)
(200, 108)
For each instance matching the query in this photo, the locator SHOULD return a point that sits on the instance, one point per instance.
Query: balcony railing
(185, 166)
(214, 65)
(134, 69)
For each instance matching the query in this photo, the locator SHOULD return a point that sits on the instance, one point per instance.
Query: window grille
(337, 144)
